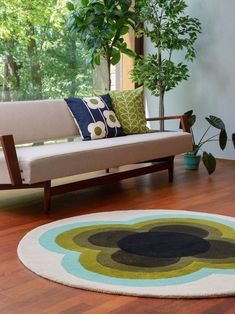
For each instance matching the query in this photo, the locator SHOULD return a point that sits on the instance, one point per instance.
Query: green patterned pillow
(129, 108)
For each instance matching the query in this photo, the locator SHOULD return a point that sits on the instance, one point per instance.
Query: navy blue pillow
(95, 117)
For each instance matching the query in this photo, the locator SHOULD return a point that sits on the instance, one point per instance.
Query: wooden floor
(20, 211)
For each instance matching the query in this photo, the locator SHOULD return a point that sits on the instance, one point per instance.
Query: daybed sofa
(47, 120)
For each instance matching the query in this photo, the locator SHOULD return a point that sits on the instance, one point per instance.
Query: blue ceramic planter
(191, 162)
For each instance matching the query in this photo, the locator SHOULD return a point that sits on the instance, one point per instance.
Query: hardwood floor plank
(112, 306)
(226, 306)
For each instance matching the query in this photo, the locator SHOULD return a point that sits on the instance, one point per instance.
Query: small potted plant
(192, 159)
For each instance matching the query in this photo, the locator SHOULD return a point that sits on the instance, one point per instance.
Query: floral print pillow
(95, 117)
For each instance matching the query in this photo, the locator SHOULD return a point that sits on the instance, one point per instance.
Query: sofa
(35, 166)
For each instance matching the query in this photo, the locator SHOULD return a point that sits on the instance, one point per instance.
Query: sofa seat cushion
(41, 163)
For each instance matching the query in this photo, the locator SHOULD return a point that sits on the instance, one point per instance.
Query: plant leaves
(115, 56)
(129, 53)
(216, 122)
(70, 6)
(233, 139)
(100, 26)
(191, 118)
(124, 30)
(188, 113)
(85, 2)
(96, 59)
(223, 138)
(209, 162)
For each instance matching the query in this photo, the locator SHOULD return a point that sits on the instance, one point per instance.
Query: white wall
(211, 87)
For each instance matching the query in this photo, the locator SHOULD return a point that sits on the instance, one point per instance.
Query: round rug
(154, 253)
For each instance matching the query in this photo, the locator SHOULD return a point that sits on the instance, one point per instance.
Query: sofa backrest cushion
(37, 120)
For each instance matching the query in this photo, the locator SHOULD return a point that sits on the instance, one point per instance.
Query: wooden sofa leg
(171, 169)
(47, 196)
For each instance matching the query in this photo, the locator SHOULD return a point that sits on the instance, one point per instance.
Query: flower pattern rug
(154, 253)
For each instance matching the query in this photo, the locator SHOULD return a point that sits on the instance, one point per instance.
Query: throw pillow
(129, 108)
(95, 117)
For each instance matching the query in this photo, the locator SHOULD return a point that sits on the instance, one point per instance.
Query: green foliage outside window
(39, 57)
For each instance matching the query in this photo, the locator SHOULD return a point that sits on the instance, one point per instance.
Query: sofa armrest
(183, 120)
(8, 146)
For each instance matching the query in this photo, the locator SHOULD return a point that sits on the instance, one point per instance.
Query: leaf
(124, 30)
(223, 138)
(123, 48)
(188, 113)
(130, 53)
(85, 2)
(216, 122)
(97, 59)
(233, 139)
(70, 6)
(115, 56)
(192, 120)
(209, 162)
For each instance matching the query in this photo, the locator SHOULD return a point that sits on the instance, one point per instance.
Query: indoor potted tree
(100, 26)
(170, 30)
(192, 159)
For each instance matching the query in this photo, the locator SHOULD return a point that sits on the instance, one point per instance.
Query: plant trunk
(13, 69)
(162, 90)
(5, 88)
(100, 76)
(72, 62)
(161, 110)
(13, 66)
(35, 66)
(108, 70)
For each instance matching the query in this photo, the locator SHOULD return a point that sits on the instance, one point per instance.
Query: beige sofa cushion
(41, 163)
(38, 120)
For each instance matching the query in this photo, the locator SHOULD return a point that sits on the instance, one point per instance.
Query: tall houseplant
(192, 159)
(170, 30)
(101, 25)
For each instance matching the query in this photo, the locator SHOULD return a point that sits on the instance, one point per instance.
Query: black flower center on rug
(163, 244)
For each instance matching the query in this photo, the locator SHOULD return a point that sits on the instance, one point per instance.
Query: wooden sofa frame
(8, 146)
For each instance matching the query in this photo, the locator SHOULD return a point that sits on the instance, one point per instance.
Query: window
(39, 57)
